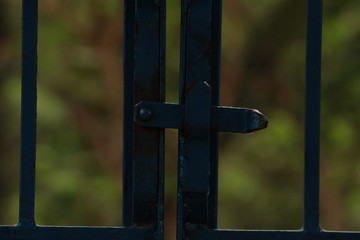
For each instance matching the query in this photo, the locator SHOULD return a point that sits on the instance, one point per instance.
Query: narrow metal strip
(162, 79)
(195, 67)
(312, 116)
(246, 235)
(270, 235)
(180, 223)
(74, 233)
(148, 69)
(128, 125)
(28, 111)
(223, 119)
(95, 233)
(216, 23)
(144, 80)
(196, 165)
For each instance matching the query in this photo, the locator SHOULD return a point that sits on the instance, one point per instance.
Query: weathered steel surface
(195, 67)
(222, 119)
(195, 164)
(144, 81)
(147, 71)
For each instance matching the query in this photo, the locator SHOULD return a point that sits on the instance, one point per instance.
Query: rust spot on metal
(144, 129)
(188, 87)
(148, 92)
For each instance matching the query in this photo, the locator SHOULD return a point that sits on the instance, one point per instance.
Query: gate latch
(222, 119)
(196, 119)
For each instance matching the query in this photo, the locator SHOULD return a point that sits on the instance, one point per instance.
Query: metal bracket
(222, 119)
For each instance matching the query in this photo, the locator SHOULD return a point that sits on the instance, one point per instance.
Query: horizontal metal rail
(74, 233)
(270, 235)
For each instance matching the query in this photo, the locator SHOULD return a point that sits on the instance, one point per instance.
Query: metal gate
(198, 118)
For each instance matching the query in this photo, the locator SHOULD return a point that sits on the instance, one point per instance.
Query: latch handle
(222, 119)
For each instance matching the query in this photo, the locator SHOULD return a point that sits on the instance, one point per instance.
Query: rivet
(145, 114)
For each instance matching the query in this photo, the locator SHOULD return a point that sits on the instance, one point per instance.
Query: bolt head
(145, 114)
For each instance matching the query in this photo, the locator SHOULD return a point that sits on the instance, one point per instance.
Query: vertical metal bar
(312, 116)
(147, 87)
(215, 95)
(161, 168)
(28, 112)
(144, 81)
(180, 224)
(196, 60)
(128, 125)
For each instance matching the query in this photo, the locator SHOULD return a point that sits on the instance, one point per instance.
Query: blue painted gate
(198, 119)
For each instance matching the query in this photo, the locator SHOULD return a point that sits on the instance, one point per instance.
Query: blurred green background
(80, 90)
